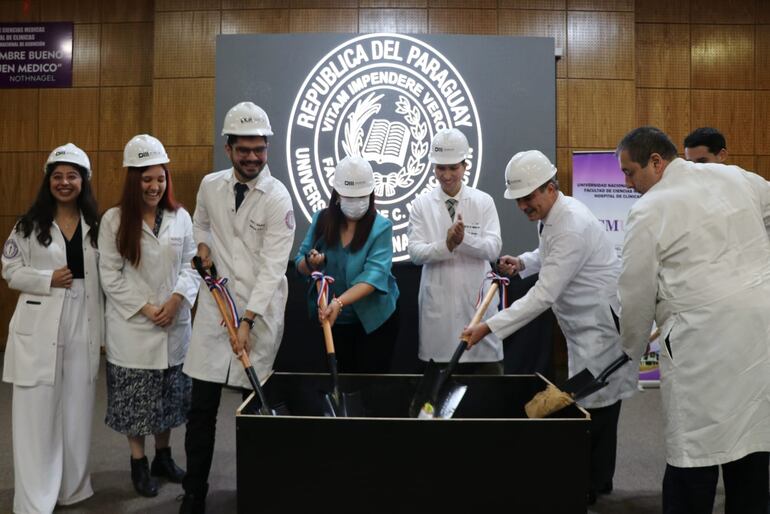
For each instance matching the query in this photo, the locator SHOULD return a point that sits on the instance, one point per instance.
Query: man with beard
(244, 224)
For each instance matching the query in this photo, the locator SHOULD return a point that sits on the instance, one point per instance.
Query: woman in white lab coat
(52, 354)
(147, 244)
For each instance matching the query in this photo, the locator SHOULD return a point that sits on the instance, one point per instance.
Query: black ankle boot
(194, 502)
(140, 476)
(164, 466)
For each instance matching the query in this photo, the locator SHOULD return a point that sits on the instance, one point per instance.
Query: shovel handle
(328, 339)
(484, 305)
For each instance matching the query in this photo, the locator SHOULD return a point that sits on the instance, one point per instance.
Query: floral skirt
(146, 401)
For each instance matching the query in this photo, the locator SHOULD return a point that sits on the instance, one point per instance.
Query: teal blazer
(371, 265)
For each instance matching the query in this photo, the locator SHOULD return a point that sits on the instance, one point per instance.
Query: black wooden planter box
(488, 458)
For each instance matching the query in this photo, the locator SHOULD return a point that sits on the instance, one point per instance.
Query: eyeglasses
(244, 151)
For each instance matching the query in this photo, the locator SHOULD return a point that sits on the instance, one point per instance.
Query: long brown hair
(332, 220)
(130, 230)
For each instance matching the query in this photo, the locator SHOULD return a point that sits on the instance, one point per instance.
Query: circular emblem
(10, 249)
(289, 220)
(381, 97)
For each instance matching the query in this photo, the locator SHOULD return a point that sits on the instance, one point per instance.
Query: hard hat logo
(381, 98)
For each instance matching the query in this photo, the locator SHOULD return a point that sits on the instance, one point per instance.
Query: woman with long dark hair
(146, 246)
(352, 242)
(52, 355)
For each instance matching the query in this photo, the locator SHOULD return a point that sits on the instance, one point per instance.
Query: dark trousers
(692, 490)
(200, 434)
(359, 352)
(604, 442)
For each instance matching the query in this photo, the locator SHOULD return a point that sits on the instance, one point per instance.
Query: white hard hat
(69, 153)
(449, 146)
(246, 119)
(526, 171)
(144, 150)
(354, 177)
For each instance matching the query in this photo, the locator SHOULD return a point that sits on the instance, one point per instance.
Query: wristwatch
(249, 321)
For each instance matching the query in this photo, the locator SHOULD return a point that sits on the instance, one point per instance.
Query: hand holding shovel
(216, 286)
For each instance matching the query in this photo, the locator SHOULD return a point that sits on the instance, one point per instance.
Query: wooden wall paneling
(22, 174)
(185, 43)
(533, 4)
(564, 170)
(662, 55)
(762, 14)
(69, 115)
(253, 4)
(762, 166)
(562, 113)
(323, 20)
(537, 23)
(667, 109)
(722, 56)
(14, 11)
(126, 54)
(393, 3)
(461, 4)
(601, 45)
(762, 112)
(189, 164)
(186, 5)
(111, 175)
(8, 296)
(78, 11)
(462, 21)
(600, 5)
(662, 11)
(405, 21)
(762, 56)
(600, 112)
(255, 21)
(183, 111)
(723, 11)
(747, 162)
(319, 4)
(115, 11)
(123, 113)
(85, 55)
(732, 112)
(18, 120)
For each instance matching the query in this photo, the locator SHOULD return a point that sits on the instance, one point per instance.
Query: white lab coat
(30, 353)
(251, 249)
(578, 270)
(450, 281)
(132, 339)
(696, 260)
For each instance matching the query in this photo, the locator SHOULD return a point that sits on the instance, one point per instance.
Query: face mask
(354, 208)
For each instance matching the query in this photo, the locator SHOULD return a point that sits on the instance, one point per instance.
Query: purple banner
(36, 55)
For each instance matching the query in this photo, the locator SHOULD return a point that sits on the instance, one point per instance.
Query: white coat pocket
(30, 309)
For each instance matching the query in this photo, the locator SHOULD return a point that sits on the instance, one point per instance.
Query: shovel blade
(578, 382)
(343, 405)
(430, 382)
(450, 397)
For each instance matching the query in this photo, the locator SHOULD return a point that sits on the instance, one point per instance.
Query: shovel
(337, 404)
(210, 278)
(436, 395)
(552, 399)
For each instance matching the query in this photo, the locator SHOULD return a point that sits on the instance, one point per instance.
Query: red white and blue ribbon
(324, 290)
(220, 284)
(502, 289)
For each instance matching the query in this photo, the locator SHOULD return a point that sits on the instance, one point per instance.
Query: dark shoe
(164, 466)
(194, 503)
(140, 476)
